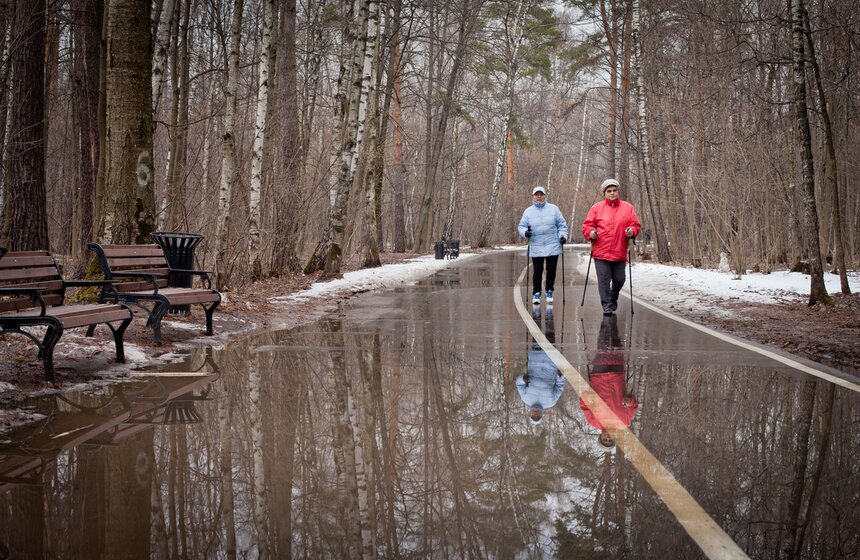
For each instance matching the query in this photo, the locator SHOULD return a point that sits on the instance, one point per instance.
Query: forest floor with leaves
(828, 334)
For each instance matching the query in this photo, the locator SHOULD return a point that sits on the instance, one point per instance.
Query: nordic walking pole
(587, 271)
(528, 261)
(630, 243)
(562, 275)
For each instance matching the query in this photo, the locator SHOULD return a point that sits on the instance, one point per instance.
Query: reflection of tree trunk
(801, 454)
(285, 419)
(159, 525)
(255, 415)
(463, 526)
(128, 473)
(345, 445)
(88, 503)
(825, 419)
(369, 365)
(225, 420)
(389, 444)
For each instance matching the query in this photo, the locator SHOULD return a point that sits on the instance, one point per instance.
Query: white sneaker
(549, 296)
(536, 298)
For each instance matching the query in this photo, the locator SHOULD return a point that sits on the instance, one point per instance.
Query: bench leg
(46, 350)
(118, 334)
(159, 310)
(90, 330)
(209, 312)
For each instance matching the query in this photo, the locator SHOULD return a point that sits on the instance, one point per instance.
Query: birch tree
(354, 84)
(228, 146)
(645, 140)
(259, 141)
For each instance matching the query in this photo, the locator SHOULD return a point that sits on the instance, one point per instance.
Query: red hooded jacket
(610, 219)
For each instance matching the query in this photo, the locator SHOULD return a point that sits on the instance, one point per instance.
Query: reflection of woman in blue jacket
(544, 226)
(542, 385)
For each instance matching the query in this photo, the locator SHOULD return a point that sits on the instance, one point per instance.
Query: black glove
(562, 240)
(529, 231)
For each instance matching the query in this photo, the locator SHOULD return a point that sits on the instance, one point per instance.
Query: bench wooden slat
(18, 274)
(46, 285)
(16, 260)
(114, 251)
(118, 264)
(21, 303)
(123, 287)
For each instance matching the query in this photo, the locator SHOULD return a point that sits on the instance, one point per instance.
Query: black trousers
(610, 280)
(551, 264)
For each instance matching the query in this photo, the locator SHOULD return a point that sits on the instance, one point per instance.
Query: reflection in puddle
(397, 429)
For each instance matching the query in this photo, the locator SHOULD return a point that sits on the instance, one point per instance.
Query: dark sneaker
(607, 313)
(614, 306)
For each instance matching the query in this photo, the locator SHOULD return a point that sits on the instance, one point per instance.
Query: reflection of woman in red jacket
(608, 225)
(608, 379)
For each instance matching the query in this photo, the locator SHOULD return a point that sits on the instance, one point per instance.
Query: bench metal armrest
(148, 278)
(203, 274)
(34, 294)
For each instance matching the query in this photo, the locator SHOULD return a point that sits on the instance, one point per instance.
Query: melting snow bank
(365, 280)
(670, 286)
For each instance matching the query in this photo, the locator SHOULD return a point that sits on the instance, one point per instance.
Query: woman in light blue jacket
(546, 230)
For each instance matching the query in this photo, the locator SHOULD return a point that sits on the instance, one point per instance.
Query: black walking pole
(630, 243)
(587, 271)
(562, 273)
(528, 261)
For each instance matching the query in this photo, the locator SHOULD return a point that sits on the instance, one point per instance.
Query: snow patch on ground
(382, 277)
(708, 289)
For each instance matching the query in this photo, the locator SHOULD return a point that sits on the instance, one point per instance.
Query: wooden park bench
(33, 293)
(142, 276)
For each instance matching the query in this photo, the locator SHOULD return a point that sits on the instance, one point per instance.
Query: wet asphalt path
(400, 426)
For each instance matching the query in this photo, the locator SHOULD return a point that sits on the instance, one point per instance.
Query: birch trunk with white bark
(159, 58)
(645, 140)
(254, 214)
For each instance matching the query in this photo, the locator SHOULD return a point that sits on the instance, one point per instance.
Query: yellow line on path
(710, 537)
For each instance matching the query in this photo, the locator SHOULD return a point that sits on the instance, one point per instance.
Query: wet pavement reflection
(426, 422)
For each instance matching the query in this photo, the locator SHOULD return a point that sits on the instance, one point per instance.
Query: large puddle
(426, 422)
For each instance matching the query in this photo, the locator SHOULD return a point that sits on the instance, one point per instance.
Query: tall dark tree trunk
(126, 213)
(817, 290)
(86, 26)
(26, 221)
(285, 255)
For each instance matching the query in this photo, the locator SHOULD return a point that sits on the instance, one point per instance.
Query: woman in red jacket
(608, 225)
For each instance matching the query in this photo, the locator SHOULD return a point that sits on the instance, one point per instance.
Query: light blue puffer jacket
(548, 226)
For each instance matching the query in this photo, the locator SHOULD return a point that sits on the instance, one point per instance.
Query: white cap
(538, 189)
(608, 183)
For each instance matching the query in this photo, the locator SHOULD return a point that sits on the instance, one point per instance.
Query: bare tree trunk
(228, 147)
(179, 145)
(259, 142)
(398, 173)
(159, 58)
(817, 290)
(645, 141)
(830, 175)
(468, 19)
(375, 164)
(128, 214)
(85, 63)
(26, 221)
(329, 251)
(609, 22)
(448, 229)
(284, 254)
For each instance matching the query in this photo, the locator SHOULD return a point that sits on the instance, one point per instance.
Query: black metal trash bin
(179, 251)
(439, 250)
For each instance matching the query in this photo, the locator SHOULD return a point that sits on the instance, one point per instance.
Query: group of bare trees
(298, 135)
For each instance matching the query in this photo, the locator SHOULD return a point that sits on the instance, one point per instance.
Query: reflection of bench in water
(127, 410)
